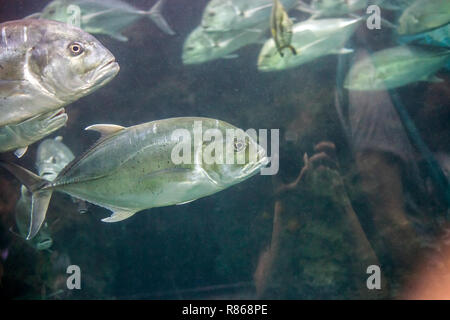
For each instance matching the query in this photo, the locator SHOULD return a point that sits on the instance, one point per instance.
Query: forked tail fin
(156, 16)
(40, 197)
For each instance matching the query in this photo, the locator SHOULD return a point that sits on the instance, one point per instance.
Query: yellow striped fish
(281, 28)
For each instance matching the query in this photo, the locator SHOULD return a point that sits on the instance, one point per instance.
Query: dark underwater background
(211, 248)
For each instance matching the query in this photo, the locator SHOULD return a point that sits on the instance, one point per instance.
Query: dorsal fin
(105, 129)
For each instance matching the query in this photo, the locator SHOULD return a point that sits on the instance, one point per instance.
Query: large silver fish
(108, 17)
(19, 136)
(45, 65)
(311, 39)
(227, 15)
(136, 168)
(52, 156)
(424, 15)
(395, 67)
(201, 46)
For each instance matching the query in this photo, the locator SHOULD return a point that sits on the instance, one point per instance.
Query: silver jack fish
(52, 156)
(45, 65)
(281, 28)
(108, 17)
(424, 15)
(311, 39)
(19, 136)
(227, 15)
(396, 67)
(132, 169)
(201, 46)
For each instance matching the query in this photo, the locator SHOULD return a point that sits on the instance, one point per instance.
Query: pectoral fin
(119, 215)
(20, 152)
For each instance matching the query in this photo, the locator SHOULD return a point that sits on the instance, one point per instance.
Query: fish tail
(40, 197)
(156, 16)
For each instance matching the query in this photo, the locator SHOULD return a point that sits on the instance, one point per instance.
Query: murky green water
(357, 209)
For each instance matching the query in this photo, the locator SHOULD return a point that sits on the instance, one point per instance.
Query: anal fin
(119, 215)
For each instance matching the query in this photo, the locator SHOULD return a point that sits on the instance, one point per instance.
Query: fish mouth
(106, 73)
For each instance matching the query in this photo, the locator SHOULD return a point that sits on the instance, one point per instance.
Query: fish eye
(76, 48)
(52, 11)
(238, 145)
(53, 160)
(190, 48)
(211, 14)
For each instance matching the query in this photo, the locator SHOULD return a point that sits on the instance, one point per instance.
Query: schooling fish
(227, 15)
(281, 28)
(395, 67)
(201, 46)
(45, 65)
(424, 15)
(311, 39)
(140, 167)
(108, 17)
(19, 136)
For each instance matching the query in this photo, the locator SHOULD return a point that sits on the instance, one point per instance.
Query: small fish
(281, 28)
(424, 15)
(132, 169)
(395, 67)
(228, 15)
(311, 39)
(19, 136)
(52, 156)
(201, 46)
(109, 17)
(45, 65)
